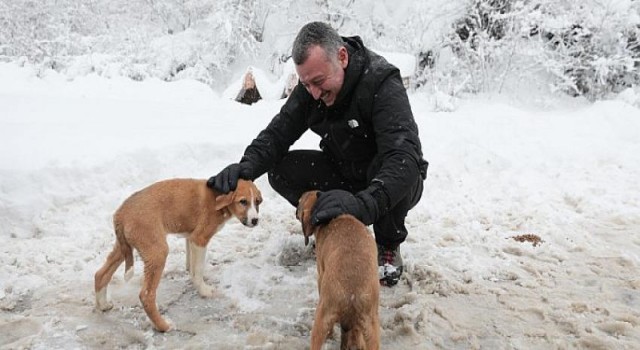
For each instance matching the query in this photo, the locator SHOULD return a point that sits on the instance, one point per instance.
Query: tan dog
(185, 206)
(348, 284)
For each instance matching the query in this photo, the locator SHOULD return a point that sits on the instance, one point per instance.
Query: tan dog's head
(303, 213)
(243, 203)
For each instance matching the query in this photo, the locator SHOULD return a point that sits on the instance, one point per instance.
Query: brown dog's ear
(307, 228)
(303, 213)
(224, 200)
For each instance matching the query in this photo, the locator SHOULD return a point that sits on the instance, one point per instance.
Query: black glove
(227, 179)
(333, 203)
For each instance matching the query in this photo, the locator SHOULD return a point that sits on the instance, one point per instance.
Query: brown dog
(185, 206)
(348, 284)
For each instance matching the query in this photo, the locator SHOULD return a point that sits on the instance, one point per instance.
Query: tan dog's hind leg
(198, 257)
(103, 277)
(154, 261)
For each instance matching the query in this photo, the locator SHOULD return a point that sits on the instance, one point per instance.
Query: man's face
(323, 76)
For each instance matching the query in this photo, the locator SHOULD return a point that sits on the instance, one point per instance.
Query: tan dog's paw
(101, 301)
(106, 306)
(164, 325)
(205, 290)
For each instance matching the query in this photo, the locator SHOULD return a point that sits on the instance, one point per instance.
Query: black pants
(305, 170)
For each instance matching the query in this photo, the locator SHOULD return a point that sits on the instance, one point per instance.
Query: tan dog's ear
(224, 200)
(303, 213)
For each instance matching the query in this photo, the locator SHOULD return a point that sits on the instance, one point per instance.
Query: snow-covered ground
(564, 170)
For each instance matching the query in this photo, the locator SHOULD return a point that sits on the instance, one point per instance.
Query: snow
(564, 170)
(406, 63)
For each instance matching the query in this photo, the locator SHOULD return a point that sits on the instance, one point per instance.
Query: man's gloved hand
(227, 179)
(333, 203)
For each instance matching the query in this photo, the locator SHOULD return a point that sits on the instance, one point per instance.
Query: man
(370, 164)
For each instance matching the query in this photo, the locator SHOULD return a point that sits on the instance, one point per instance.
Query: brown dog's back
(348, 261)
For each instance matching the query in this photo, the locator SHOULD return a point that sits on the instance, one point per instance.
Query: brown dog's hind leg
(104, 274)
(323, 324)
(154, 261)
(373, 340)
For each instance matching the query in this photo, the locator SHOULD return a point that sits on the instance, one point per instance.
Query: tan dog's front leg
(198, 255)
(188, 253)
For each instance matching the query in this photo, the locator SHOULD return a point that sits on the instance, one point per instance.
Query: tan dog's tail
(125, 248)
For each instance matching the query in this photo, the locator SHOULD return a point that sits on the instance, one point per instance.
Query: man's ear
(224, 200)
(343, 57)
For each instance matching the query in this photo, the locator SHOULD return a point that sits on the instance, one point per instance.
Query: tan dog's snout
(243, 203)
(253, 207)
(303, 213)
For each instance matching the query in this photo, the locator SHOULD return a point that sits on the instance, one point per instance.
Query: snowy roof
(269, 86)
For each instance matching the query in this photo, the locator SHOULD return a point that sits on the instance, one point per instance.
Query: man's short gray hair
(315, 33)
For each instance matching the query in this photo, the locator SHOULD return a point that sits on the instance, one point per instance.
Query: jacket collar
(357, 62)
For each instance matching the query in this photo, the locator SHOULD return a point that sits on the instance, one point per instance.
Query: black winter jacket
(369, 131)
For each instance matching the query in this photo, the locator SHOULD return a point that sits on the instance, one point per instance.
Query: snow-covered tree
(587, 47)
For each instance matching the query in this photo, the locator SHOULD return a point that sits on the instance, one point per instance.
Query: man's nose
(315, 92)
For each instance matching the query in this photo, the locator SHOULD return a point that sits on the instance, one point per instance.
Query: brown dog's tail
(354, 339)
(126, 249)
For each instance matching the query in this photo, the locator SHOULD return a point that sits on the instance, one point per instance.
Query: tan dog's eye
(244, 202)
(258, 201)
